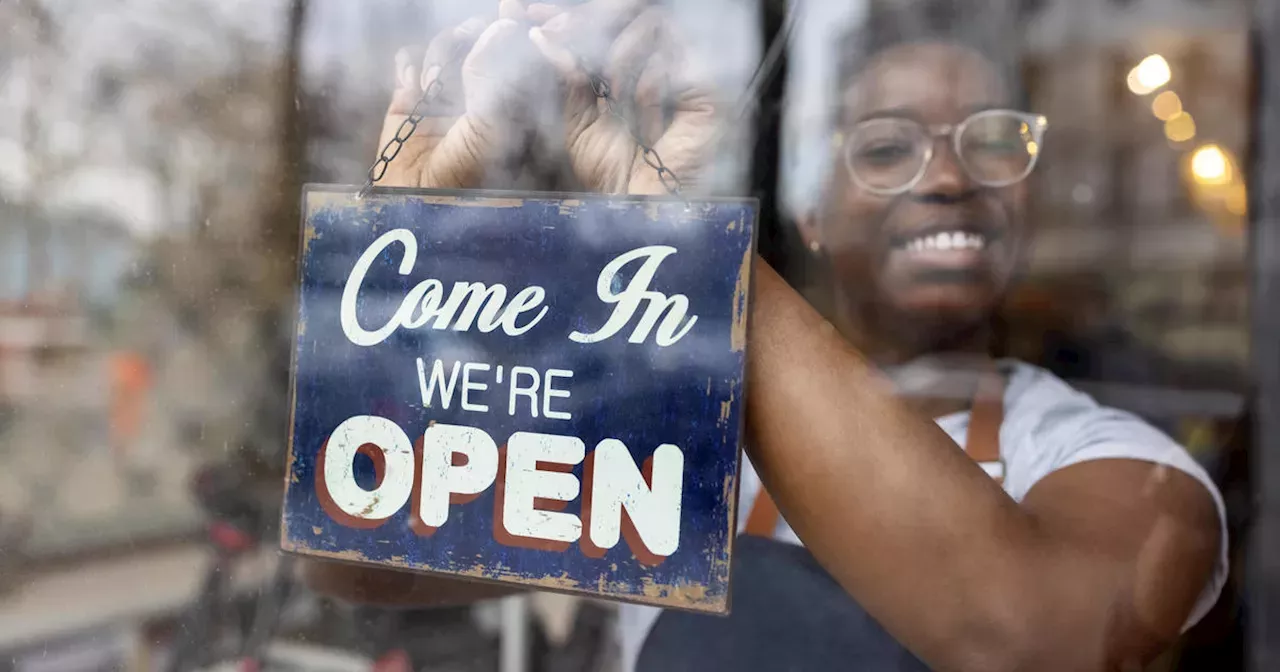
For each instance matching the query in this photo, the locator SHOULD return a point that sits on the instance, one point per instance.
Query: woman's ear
(807, 226)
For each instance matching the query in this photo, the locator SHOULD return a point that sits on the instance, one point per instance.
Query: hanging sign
(525, 388)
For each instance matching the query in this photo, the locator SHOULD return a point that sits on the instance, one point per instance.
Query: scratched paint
(688, 394)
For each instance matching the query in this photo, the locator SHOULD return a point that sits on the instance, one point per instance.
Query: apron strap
(986, 414)
(982, 444)
(763, 519)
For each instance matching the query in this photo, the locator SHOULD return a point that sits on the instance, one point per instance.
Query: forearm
(907, 524)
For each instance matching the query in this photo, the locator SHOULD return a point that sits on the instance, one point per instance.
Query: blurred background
(151, 160)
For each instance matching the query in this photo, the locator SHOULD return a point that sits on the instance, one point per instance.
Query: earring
(815, 247)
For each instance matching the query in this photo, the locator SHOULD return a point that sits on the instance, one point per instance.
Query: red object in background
(130, 382)
(229, 538)
(393, 661)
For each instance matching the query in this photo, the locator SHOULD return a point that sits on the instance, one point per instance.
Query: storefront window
(1065, 197)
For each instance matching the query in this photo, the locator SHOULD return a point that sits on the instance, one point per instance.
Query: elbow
(1031, 635)
(991, 646)
(1013, 635)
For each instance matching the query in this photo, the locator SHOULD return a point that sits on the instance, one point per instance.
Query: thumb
(632, 51)
(407, 89)
(559, 56)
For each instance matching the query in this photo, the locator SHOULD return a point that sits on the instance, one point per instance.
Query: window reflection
(151, 157)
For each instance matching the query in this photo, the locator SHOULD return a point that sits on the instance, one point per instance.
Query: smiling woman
(1016, 524)
(923, 229)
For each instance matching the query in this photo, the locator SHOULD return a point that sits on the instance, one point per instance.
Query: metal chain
(599, 86)
(670, 182)
(403, 133)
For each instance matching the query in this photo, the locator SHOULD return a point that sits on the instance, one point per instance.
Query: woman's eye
(998, 146)
(885, 152)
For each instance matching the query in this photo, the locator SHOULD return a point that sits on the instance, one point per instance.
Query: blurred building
(136, 190)
(1140, 195)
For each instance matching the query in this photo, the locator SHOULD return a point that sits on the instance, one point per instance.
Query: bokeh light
(1180, 128)
(1166, 106)
(1238, 200)
(1152, 73)
(1211, 165)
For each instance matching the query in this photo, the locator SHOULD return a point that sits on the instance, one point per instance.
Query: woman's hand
(474, 127)
(636, 50)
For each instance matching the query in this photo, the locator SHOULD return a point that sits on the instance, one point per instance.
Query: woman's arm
(1097, 569)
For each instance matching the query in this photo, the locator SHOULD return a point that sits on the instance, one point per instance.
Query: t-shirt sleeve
(1080, 431)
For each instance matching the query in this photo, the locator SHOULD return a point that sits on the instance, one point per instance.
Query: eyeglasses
(996, 148)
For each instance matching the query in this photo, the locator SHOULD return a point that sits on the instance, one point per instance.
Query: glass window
(1064, 199)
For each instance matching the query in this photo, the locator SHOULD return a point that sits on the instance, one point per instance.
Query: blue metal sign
(525, 388)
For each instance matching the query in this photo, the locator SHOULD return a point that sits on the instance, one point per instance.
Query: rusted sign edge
(299, 325)
(692, 597)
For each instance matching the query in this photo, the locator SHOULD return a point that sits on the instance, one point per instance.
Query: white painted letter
(524, 482)
(671, 310)
(531, 392)
(350, 293)
(548, 392)
(397, 478)
(477, 295)
(440, 478)
(426, 295)
(524, 300)
(617, 484)
(467, 386)
(428, 389)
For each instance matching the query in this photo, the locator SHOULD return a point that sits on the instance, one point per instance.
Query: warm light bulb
(1152, 73)
(1180, 128)
(1166, 106)
(1210, 165)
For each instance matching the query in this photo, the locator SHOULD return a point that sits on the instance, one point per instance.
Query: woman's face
(893, 251)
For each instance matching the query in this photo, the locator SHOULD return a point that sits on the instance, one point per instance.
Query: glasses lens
(998, 147)
(887, 154)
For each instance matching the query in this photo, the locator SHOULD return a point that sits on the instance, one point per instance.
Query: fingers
(503, 75)
(541, 12)
(653, 96)
(586, 31)
(632, 50)
(559, 56)
(407, 60)
(512, 9)
(406, 91)
(493, 50)
(449, 47)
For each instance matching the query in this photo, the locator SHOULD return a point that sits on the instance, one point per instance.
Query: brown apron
(982, 444)
(788, 613)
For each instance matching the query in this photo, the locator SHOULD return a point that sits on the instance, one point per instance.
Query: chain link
(403, 133)
(670, 182)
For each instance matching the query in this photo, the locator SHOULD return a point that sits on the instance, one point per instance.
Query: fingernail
(406, 77)
(543, 9)
(558, 23)
(430, 75)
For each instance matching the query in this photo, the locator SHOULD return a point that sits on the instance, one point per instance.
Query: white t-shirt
(1047, 426)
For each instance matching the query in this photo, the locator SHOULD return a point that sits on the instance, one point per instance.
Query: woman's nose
(945, 176)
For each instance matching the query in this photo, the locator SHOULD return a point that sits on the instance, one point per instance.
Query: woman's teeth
(947, 240)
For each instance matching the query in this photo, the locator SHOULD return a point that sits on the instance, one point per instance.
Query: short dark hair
(988, 27)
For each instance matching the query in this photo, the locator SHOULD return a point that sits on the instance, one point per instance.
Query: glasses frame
(1037, 124)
